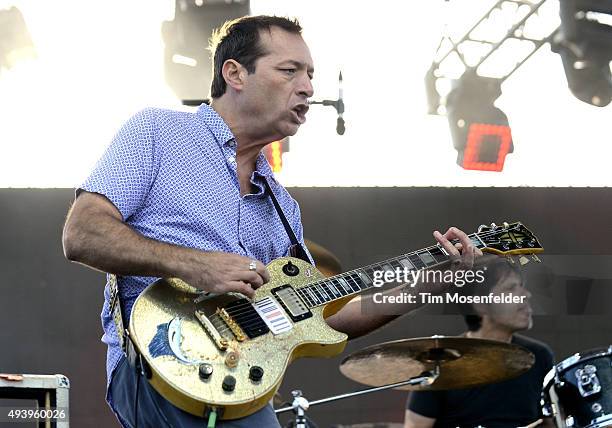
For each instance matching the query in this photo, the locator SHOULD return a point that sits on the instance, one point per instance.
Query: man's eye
(289, 70)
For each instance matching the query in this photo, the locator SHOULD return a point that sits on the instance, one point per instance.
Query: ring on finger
(253, 265)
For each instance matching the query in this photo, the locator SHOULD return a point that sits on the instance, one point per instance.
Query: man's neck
(249, 143)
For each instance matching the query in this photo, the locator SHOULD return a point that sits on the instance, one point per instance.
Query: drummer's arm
(414, 420)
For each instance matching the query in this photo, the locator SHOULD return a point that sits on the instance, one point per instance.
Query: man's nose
(305, 88)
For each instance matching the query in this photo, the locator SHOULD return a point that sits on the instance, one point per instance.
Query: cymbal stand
(300, 404)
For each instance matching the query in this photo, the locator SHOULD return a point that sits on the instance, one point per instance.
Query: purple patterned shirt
(172, 175)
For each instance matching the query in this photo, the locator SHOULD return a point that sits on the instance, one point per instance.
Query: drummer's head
(501, 276)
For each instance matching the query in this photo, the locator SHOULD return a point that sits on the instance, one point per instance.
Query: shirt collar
(216, 124)
(225, 137)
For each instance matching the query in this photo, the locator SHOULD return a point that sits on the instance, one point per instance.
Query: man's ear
(234, 74)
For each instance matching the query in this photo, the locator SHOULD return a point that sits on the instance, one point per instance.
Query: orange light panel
(487, 147)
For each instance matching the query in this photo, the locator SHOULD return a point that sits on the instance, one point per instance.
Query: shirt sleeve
(124, 173)
(425, 403)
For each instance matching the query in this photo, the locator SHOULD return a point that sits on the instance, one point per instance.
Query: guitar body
(177, 345)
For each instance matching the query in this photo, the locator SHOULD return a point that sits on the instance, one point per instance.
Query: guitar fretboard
(358, 280)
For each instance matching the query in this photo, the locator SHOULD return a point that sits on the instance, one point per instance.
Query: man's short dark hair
(495, 271)
(240, 40)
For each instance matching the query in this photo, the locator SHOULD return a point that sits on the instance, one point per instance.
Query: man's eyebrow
(298, 64)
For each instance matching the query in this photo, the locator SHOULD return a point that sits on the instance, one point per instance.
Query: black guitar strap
(296, 249)
(115, 308)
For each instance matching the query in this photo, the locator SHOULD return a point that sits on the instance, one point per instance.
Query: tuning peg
(510, 259)
(493, 226)
(482, 227)
(506, 225)
(535, 258)
(523, 260)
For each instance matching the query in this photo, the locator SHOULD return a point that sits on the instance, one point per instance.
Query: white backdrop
(99, 62)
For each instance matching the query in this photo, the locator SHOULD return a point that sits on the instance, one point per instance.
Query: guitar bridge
(220, 341)
(233, 326)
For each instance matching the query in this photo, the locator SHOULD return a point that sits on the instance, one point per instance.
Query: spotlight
(480, 131)
(585, 46)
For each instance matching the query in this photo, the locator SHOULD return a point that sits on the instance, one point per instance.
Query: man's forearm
(112, 246)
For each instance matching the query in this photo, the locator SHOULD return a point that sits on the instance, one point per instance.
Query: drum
(578, 390)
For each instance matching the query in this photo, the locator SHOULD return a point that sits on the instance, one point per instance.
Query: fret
(365, 278)
(427, 258)
(362, 285)
(395, 264)
(326, 293)
(302, 293)
(347, 279)
(438, 254)
(340, 287)
(313, 296)
(477, 241)
(319, 292)
(355, 279)
(406, 263)
(387, 267)
(416, 261)
(334, 290)
(347, 289)
(369, 271)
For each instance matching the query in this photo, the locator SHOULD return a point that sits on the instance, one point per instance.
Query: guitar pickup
(291, 302)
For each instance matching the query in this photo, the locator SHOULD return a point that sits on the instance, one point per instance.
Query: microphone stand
(336, 104)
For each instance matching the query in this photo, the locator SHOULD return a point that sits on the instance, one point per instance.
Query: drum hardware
(300, 404)
(588, 383)
(577, 392)
(439, 362)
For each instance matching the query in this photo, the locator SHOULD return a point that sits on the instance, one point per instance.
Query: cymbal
(463, 362)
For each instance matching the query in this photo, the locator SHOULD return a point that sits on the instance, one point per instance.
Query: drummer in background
(511, 403)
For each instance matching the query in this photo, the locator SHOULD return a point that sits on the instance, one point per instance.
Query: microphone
(340, 107)
(337, 104)
(340, 125)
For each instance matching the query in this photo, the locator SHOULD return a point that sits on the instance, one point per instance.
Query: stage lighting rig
(585, 46)
(480, 131)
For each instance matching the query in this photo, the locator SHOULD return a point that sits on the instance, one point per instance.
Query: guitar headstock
(508, 239)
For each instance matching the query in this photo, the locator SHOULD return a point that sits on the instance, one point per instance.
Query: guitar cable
(212, 419)
(140, 373)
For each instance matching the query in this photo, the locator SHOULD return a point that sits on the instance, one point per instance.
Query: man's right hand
(220, 273)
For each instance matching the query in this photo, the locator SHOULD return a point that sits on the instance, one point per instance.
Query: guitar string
(255, 319)
(325, 283)
(322, 283)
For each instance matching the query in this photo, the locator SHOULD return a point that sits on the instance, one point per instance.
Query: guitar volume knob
(256, 373)
(205, 371)
(229, 383)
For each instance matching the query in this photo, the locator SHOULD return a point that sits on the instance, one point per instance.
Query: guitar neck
(362, 279)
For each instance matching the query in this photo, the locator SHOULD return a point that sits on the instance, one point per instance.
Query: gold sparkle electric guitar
(228, 353)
